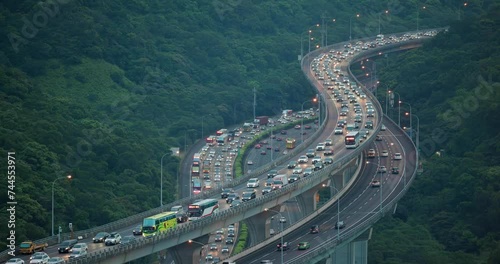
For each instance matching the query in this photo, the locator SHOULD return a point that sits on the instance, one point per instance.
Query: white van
(271, 232)
(176, 208)
(383, 128)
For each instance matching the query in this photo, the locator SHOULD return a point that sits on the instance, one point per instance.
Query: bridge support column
(259, 225)
(308, 200)
(355, 251)
(190, 252)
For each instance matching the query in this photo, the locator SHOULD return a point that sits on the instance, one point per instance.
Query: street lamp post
(411, 123)
(350, 27)
(281, 233)
(460, 8)
(302, 43)
(338, 215)
(161, 180)
(418, 128)
(399, 108)
(379, 14)
(326, 30)
(53, 183)
(190, 241)
(302, 121)
(418, 15)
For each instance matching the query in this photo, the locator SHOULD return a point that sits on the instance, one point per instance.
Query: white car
(80, 246)
(384, 153)
(303, 159)
(15, 261)
(339, 131)
(113, 239)
(397, 156)
(297, 170)
(320, 147)
(253, 183)
(375, 183)
(382, 169)
(282, 219)
(40, 258)
(249, 162)
(77, 253)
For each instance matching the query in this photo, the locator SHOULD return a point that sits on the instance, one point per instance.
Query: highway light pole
(338, 212)
(411, 123)
(199, 243)
(302, 43)
(161, 180)
(459, 10)
(326, 30)
(69, 177)
(281, 233)
(350, 27)
(379, 14)
(399, 109)
(418, 17)
(418, 128)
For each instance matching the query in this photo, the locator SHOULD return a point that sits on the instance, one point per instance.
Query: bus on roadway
(196, 185)
(158, 223)
(352, 139)
(203, 208)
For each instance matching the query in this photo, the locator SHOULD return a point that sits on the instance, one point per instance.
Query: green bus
(158, 223)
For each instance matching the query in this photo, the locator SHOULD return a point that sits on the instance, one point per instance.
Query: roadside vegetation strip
(242, 239)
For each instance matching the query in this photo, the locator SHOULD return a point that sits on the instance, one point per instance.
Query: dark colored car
(231, 197)
(225, 192)
(314, 229)
(137, 230)
(66, 246)
(100, 237)
(284, 247)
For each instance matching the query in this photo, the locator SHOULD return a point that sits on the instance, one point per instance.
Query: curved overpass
(198, 228)
(359, 208)
(246, 210)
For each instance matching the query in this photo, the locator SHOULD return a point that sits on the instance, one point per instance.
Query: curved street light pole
(399, 108)
(161, 180)
(411, 123)
(338, 215)
(199, 243)
(281, 233)
(53, 183)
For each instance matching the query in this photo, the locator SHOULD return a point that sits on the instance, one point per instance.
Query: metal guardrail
(138, 217)
(328, 245)
(176, 232)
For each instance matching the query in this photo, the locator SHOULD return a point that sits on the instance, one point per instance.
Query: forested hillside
(451, 213)
(102, 90)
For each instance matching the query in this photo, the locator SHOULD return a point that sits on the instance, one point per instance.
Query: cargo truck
(29, 247)
(261, 120)
(279, 181)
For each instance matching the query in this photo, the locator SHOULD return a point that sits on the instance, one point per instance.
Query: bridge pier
(260, 224)
(190, 252)
(354, 251)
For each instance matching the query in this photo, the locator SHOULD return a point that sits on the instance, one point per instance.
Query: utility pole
(254, 102)
(323, 30)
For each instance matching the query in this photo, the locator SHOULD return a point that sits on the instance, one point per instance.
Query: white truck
(279, 181)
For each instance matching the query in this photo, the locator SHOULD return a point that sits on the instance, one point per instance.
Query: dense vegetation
(102, 90)
(451, 213)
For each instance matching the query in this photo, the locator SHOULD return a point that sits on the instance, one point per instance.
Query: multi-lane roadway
(338, 146)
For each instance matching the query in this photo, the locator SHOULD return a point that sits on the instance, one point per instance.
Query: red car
(258, 146)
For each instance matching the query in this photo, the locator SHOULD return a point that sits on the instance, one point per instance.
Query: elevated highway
(204, 226)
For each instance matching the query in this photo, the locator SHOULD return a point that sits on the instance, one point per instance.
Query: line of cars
(221, 244)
